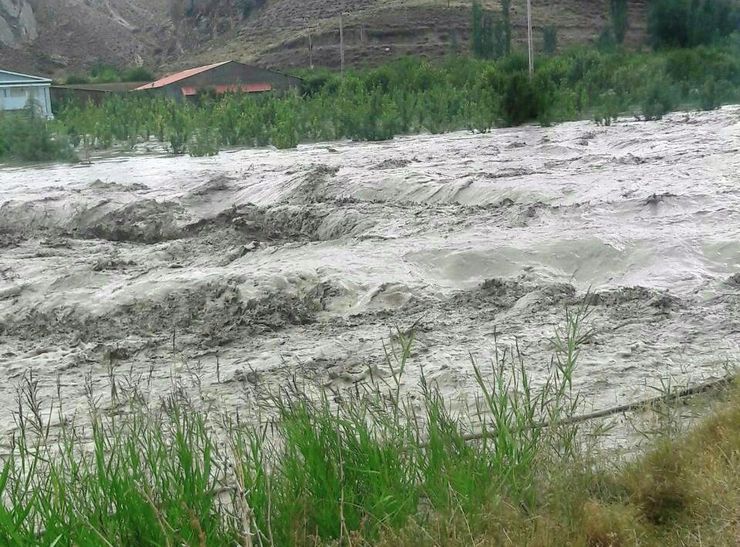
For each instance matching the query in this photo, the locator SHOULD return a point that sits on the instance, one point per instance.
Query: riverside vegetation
(374, 464)
(402, 97)
(695, 63)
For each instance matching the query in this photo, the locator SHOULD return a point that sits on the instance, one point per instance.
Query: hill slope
(375, 30)
(63, 36)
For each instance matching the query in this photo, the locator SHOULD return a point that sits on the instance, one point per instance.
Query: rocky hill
(63, 36)
(51, 36)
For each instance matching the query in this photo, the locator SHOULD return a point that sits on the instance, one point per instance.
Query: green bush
(77, 79)
(658, 99)
(710, 94)
(491, 37)
(519, 102)
(27, 137)
(102, 73)
(137, 74)
(203, 142)
(689, 23)
(412, 95)
(550, 39)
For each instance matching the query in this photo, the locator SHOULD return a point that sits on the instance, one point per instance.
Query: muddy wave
(275, 266)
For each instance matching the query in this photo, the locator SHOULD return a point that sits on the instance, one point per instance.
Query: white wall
(18, 97)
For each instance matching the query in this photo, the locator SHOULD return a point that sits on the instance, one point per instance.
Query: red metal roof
(172, 78)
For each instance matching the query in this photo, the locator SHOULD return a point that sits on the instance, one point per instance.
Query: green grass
(375, 464)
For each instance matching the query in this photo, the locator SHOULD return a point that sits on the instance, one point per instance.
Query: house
(90, 93)
(17, 91)
(225, 77)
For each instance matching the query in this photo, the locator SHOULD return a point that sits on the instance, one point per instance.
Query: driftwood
(630, 407)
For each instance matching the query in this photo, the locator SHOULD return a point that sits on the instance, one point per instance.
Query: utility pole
(341, 41)
(529, 38)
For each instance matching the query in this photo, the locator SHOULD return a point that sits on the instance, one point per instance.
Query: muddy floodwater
(298, 264)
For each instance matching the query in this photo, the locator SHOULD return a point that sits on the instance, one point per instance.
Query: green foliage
(519, 102)
(506, 26)
(103, 74)
(77, 79)
(609, 110)
(658, 99)
(180, 128)
(137, 74)
(550, 39)
(606, 42)
(411, 95)
(689, 23)
(491, 37)
(203, 142)
(477, 37)
(710, 95)
(619, 13)
(27, 137)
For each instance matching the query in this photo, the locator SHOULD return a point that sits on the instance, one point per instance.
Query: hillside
(376, 30)
(52, 36)
(62, 36)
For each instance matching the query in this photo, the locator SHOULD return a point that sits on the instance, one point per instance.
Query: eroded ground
(293, 265)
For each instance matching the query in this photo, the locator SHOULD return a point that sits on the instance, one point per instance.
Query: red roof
(172, 78)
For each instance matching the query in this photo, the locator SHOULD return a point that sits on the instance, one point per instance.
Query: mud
(260, 267)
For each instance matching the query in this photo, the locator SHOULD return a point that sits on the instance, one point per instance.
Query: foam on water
(300, 262)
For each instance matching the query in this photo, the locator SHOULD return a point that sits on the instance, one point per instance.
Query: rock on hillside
(277, 34)
(63, 36)
(49, 36)
(18, 24)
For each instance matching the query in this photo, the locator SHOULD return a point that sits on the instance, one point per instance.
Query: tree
(477, 30)
(689, 23)
(506, 19)
(491, 39)
(619, 12)
(550, 39)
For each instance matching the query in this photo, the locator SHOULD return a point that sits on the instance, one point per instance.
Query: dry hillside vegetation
(63, 36)
(376, 30)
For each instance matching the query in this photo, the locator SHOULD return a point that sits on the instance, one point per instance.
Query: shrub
(102, 73)
(203, 142)
(77, 79)
(491, 37)
(137, 74)
(25, 136)
(609, 109)
(550, 39)
(658, 99)
(519, 103)
(710, 95)
(606, 41)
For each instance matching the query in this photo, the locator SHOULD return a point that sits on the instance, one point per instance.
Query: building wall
(17, 97)
(60, 95)
(231, 74)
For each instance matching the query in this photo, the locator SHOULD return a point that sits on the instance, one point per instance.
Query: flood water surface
(299, 264)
